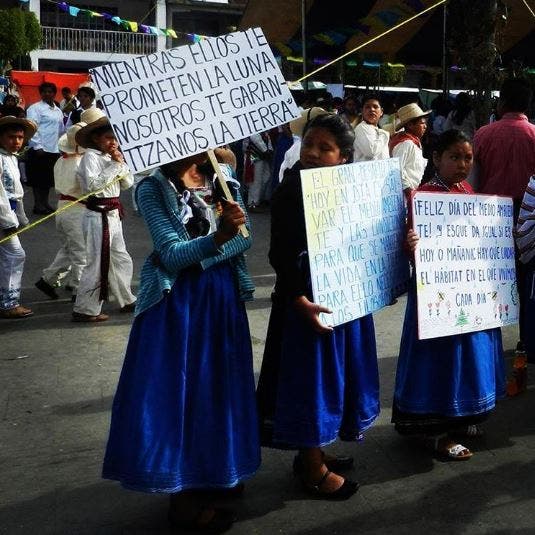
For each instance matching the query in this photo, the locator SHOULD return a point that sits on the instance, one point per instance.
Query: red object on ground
(28, 82)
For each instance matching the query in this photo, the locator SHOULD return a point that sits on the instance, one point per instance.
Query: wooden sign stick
(224, 186)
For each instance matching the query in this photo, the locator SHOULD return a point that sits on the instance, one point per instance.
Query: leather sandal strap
(322, 480)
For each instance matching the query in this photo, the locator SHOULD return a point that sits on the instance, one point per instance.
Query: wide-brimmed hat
(67, 142)
(298, 125)
(28, 126)
(408, 113)
(94, 118)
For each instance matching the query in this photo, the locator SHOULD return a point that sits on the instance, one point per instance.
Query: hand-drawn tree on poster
(473, 29)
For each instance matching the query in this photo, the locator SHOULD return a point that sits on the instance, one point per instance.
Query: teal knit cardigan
(174, 250)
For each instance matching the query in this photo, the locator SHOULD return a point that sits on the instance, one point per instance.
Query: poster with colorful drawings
(464, 263)
(355, 225)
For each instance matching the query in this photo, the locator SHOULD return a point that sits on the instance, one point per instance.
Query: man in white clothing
(371, 142)
(69, 262)
(44, 151)
(103, 171)
(258, 151)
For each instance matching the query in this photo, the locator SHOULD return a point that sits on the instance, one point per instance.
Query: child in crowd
(14, 132)
(103, 171)
(407, 145)
(69, 262)
(371, 142)
(446, 386)
(184, 417)
(317, 383)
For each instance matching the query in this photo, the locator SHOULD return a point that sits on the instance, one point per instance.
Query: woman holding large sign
(184, 418)
(317, 383)
(446, 386)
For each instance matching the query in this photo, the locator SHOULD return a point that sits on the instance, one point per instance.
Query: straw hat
(408, 113)
(28, 126)
(67, 142)
(93, 118)
(298, 125)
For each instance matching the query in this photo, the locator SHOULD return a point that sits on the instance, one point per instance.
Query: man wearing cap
(371, 142)
(13, 133)
(109, 266)
(407, 145)
(70, 259)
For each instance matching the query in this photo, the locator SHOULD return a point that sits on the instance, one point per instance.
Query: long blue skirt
(449, 377)
(184, 415)
(315, 388)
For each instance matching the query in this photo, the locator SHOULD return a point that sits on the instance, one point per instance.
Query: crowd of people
(186, 420)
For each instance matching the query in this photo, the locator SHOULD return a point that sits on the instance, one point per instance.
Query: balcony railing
(72, 39)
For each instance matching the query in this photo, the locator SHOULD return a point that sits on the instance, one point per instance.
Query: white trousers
(70, 259)
(121, 267)
(259, 189)
(12, 258)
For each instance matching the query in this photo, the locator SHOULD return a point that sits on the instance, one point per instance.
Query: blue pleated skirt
(452, 377)
(315, 388)
(184, 415)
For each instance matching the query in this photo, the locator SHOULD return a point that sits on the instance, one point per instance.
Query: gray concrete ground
(57, 380)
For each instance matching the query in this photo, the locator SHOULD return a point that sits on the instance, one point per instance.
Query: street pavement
(57, 381)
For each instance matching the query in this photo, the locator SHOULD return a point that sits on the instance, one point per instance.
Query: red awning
(28, 82)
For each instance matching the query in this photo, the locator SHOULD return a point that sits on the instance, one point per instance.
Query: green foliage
(472, 42)
(358, 74)
(20, 33)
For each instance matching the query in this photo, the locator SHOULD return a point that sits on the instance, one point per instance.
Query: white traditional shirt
(371, 143)
(412, 163)
(10, 190)
(291, 157)
(66, 180)
(49, 120)
(98, 169)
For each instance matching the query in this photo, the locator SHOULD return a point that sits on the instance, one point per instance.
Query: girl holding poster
(317, 383)
(446, 386)
(184, 417)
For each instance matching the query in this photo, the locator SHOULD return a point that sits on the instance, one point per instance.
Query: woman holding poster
(184, 419)
(446, 386)
(317, 383)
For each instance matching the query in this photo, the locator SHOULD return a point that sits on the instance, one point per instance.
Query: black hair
(65, 89)
(14, 97)
(341, 130)
(449, 138)
(48, 85)
(6, 128)
(515, 95)
(102, 130)
(89, 91)
(371, 96)
(462, 108)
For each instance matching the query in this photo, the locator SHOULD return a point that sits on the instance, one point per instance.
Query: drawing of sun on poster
(185, 100)
(464, 263)
(355, 225)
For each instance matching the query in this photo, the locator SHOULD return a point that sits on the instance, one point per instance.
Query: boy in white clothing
(13, 133)
(108, 262)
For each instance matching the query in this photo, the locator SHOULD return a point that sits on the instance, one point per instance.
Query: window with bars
(52, 15)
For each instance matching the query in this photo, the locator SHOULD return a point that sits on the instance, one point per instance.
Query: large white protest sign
(185, 100)
(464, 263)
(355, 225)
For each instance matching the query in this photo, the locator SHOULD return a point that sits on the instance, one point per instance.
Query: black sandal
(344, 492)
(219, 523)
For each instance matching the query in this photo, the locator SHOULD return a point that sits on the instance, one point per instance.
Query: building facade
(77, 43)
